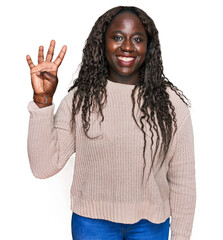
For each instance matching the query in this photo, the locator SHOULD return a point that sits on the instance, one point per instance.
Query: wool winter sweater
(108, 169)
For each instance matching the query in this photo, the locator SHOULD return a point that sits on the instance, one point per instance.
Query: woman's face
(126, 45)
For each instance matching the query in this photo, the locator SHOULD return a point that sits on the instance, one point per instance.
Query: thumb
(48, 76)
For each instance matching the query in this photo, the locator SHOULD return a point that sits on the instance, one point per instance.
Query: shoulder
(69, 95)
(67, 100)
(181, 109)
(64, 111)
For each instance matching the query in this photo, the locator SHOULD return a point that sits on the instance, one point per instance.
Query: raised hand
(44, 75)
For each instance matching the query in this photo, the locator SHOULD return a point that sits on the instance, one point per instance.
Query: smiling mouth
(125, 59)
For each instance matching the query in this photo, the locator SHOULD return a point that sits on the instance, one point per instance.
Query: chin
(125, 73)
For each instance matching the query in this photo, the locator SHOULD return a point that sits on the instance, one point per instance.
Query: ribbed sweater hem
(127, 213)
(179, 238)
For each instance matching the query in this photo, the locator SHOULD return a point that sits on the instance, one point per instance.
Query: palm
(45, 86)
(40, 85)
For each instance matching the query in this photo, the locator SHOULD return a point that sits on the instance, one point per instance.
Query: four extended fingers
(50, 52)
(49, 56)
(60, 57)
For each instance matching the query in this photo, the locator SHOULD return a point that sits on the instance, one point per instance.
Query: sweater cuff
(40, 113)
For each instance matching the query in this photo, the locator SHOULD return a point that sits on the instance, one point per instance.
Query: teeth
(126, 59)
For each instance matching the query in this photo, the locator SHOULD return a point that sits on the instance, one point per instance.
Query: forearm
(49, 146)
(182, 184)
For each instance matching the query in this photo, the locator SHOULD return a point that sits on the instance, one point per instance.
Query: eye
(137, 39)
(118, 38)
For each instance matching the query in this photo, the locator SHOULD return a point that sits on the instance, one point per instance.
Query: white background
(191, 42)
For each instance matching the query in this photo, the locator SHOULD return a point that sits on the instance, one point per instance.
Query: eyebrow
(135, 33)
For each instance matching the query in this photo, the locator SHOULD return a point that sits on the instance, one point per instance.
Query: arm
(50, 140)
(181, 177)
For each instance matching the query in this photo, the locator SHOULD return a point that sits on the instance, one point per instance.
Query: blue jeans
(84, 228)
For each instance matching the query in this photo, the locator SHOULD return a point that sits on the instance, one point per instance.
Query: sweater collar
(119, 85)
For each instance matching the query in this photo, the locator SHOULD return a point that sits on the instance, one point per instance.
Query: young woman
(129, 127)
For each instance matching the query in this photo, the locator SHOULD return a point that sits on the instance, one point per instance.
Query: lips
(126, 61)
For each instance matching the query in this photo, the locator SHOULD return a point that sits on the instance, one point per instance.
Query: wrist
(40, 105)
(42, 100)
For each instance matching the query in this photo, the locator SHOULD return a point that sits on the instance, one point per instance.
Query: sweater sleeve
(181, 178)
(50, 141)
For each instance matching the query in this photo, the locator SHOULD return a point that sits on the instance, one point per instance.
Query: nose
(127, 46)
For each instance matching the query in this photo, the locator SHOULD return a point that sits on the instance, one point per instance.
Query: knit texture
(108, 170)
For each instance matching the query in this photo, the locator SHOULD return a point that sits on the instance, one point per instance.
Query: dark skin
(126, 47)
(125, 38)
(44, 74)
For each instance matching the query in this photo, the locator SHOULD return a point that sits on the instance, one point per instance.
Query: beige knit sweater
(108, 169)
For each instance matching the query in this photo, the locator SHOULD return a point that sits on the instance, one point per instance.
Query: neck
(130, 79)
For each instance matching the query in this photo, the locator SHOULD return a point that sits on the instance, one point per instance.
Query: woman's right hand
(44, 75)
